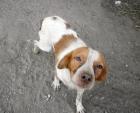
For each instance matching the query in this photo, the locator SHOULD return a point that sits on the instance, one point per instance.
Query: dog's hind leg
(36, 49)
(43, 44)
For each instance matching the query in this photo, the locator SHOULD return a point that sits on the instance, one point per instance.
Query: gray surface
(25, 78)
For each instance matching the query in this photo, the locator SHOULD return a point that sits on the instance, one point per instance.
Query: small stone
(129, 42)
(65, 95)
(118, 2)
(28, 40)
(49, 96)
(137, 26)
(126, 65)
(112, 52)
(102, 98)
(36, 50)
(105, 111)
(90, 95)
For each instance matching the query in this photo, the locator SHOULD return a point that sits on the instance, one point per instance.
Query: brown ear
(101, 74)
(63, 63)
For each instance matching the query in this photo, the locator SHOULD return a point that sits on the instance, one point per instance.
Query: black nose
(86, 77)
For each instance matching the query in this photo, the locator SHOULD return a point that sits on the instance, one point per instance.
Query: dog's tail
(41, 23)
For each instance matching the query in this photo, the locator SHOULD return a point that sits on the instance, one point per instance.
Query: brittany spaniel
(77, 65)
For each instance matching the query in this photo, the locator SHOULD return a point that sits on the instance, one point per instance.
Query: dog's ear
(100, 75)
(100, 72)
(100, 68)
(63, 63)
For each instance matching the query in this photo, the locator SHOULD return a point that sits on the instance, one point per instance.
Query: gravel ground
(25, 78)
(130, 8)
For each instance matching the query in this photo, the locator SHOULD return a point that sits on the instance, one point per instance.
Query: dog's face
(85, 66)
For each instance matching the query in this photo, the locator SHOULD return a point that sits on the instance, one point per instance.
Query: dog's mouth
(83, 85)
(83, 80)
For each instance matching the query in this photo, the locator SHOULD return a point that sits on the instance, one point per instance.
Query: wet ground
(25, 78)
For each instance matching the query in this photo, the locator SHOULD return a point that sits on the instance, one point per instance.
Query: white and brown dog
(77, 65)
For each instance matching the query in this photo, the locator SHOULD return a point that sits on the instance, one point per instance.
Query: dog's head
(85, 65)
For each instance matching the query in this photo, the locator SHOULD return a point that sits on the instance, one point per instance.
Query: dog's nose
(86, 77)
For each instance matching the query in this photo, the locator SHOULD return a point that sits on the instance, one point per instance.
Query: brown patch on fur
(63, 43)
(100, 68)
(70, 61)
(67, 25)
(65, 61)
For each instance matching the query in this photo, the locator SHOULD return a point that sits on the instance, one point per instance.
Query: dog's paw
(56, 85)
(80, 109)
(36, 48)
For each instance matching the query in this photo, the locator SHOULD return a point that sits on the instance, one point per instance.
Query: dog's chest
(64, 76)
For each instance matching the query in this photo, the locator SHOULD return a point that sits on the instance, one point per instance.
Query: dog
(77, 65)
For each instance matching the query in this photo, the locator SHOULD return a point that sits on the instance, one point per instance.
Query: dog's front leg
(79, 106)
(43, 44)
(56, 83)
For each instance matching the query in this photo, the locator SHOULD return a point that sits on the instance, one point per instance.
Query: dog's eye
(77, 58)
(99, 66)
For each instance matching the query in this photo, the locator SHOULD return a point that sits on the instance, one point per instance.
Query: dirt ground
(25, 78)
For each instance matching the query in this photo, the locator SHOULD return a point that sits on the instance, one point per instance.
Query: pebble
(102, 98)
(112, 52)
(28, 40)
(126, 65)
(129, 42)
(118, 2)
(48, 97)
(65, 95)
(105, 111)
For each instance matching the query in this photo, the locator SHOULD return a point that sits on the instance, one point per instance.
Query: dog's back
(52, 30)
(55, 27)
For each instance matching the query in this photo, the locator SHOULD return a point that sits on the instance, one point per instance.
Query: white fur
(56, 83)
(88, 67)
(64, 74)
(80, 108)
(51, 32)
